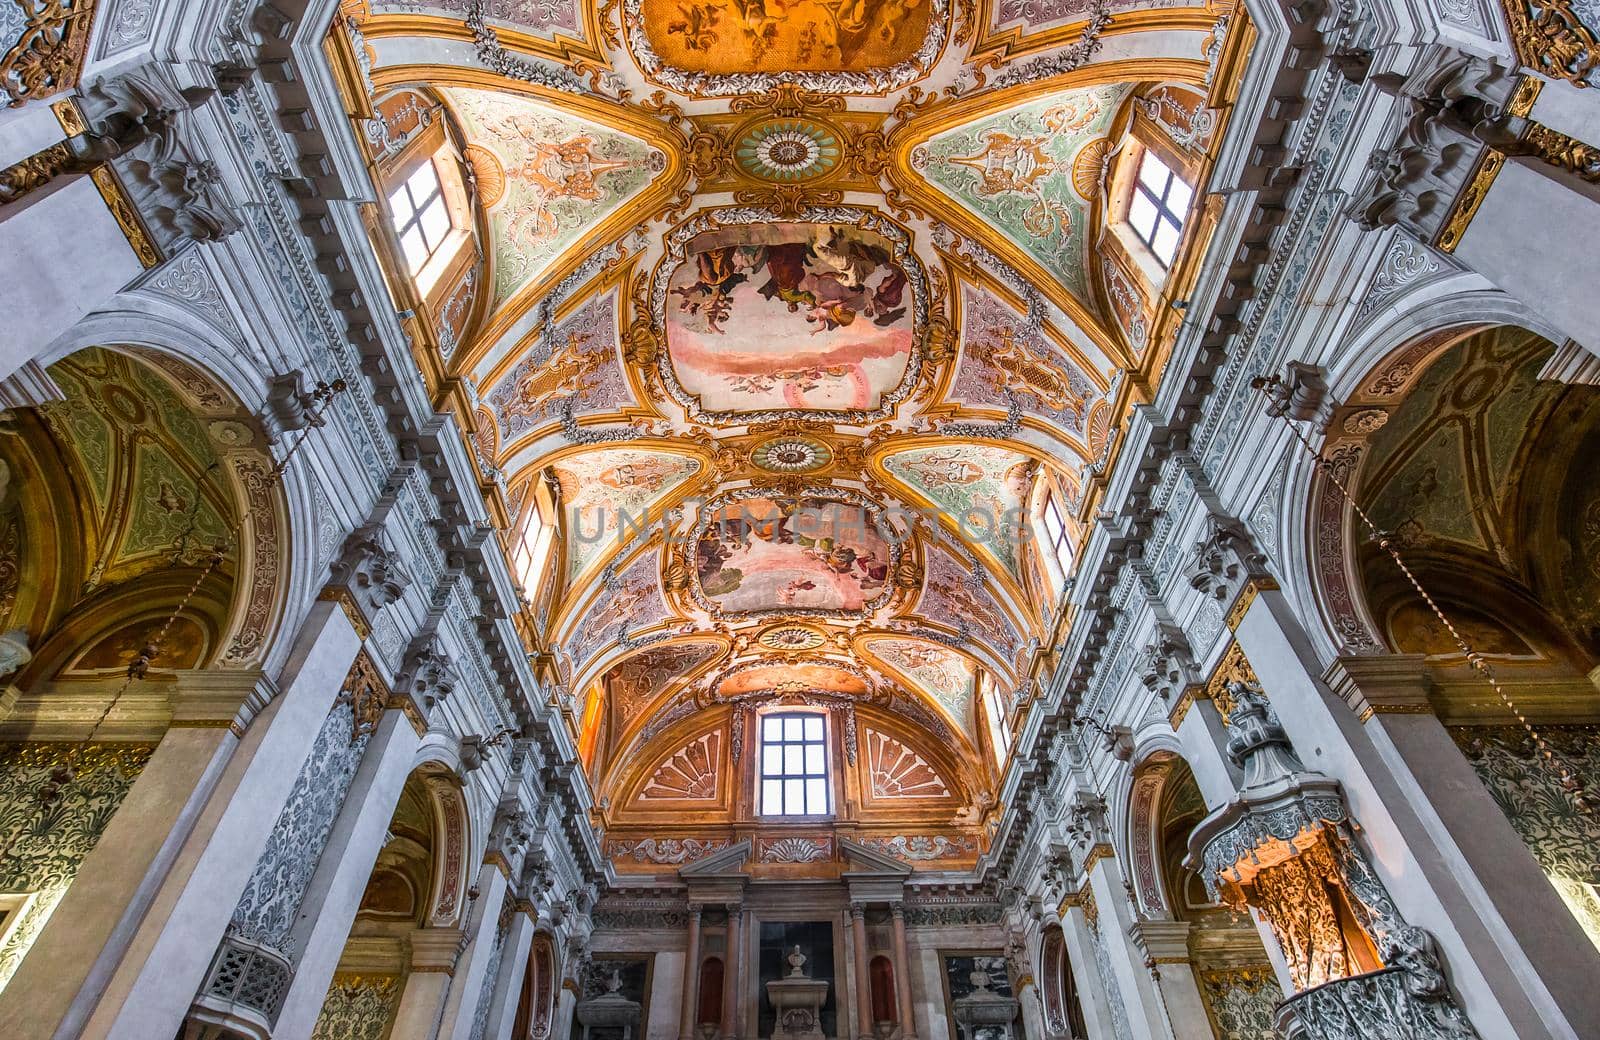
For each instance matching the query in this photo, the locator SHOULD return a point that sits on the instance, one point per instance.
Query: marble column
(1204, 739)
(732, 991)
(150, 990)
(65, 256)
(863, 979)
(1032, 1009)
(1166, 949)
(1499, 988)
(467, 987)
(691, 977)
(1508, 889)
(1521, 255)
(433, 960)
(1094, 994)
(121, 876)
(1140, 998)
(902, 973)
(566, 1002)
(513, 970)
(334, 895)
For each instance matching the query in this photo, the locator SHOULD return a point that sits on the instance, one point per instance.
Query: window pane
(1179, 198)
(793, 760)
(794, 797)
(436, 222)
(772, 760)
(1142, 215)
(423, 183)
(1165, 245)
(1052, 521)
(772, 797)
(816, 797)
(415, 250)
(813, 727)
(1154, 172)
(772, 728)
(400, 206)
(791, 728)
(814, 759)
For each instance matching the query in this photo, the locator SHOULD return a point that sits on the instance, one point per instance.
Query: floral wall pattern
(358, 1007)
(1563, 839)
(1242, 1001)
(45, 845)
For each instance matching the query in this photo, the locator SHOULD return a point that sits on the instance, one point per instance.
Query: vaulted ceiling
(790, 306)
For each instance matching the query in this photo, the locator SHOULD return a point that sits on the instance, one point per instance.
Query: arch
(1063, 1011)
(1145, 797)
(708, 1000)
(885, 1007)
(536, 1004)
(447, 902)
(1365, 603)
(194, 347)
(1416, 325)
(124, 487)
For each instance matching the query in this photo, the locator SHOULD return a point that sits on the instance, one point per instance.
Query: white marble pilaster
(467, 988)
(334, 895)
(1510, 242)
(508, 987)
(1422, 880)
(121, 875)
(1166, 946)
(1509, 892)
(433, 959)
(1139, 996)
(1094, 996)
(65, 255)
(152, 988)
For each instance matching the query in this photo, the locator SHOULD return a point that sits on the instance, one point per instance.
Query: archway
(1483, 475)
(139, 528)
(394, 972)
(1235, 979)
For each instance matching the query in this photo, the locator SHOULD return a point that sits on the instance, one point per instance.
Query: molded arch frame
(166, 328)
(457, 832)
(1451, 309)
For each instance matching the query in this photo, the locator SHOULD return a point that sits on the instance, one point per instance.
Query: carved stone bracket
(1226, 561)
(134, 120)
(1168, 664)
(369, 573)
(1453, 108)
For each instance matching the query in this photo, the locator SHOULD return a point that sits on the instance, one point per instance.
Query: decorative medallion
(791, 455)
(787, 150)
(791, 637)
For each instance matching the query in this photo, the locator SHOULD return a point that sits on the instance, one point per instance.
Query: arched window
(1158, 207)
(531, 539)
(708, 1008)
(884, 1005)
(994, 712)
(794, 765)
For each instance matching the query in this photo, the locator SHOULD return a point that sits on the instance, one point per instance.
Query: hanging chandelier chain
(1569, 782)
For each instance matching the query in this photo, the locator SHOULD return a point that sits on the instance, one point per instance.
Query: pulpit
(797, 998)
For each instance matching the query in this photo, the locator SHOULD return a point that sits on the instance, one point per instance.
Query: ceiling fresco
(793, 307)
(545, 177)
(789, 317)
(1031, 173)
(608, 492)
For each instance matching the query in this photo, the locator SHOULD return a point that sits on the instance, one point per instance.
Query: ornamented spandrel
(44, 48)
(1551, 37)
